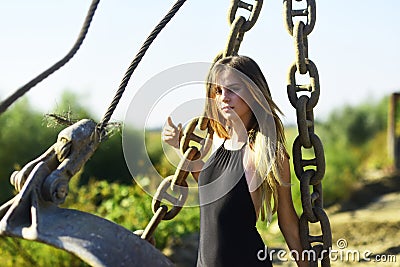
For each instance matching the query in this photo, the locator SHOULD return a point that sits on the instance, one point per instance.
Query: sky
(355, 46)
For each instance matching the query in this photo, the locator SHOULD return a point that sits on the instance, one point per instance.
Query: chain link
(239, 24)
(235, 37)
(290, 13)
(301, 47)
(254, 9)
(310, 172)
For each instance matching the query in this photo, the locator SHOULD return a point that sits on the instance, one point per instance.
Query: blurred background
(354, 45)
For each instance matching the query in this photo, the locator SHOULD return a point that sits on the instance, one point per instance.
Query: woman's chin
(229, 115)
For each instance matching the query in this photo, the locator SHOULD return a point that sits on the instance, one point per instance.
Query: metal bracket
(33, 214)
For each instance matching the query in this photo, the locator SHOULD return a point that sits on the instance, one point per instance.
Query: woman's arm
(287, 218)
(195, 168)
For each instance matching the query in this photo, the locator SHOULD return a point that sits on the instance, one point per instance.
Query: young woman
(246, 173)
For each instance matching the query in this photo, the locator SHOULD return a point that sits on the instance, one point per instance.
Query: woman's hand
(171, 134)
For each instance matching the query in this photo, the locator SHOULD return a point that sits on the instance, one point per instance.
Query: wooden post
(393, 142)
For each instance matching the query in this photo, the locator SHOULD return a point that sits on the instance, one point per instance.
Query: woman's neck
(237, 136)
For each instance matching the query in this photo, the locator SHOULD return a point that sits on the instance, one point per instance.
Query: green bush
(23, 137)
(23, 253)
(354, 137)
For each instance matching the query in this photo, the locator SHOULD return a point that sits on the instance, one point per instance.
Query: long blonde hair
(268, 144)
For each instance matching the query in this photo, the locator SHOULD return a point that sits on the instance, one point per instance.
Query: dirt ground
(367, 226)
(370, 221)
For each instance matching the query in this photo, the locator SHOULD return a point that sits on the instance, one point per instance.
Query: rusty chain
(310, 172)
(239, 25)
(177, 182)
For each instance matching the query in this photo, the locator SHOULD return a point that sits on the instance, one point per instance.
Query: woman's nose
(225, 95)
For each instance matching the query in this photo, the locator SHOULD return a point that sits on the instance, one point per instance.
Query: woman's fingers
(169, 133)
(170, 123)
(169, 130)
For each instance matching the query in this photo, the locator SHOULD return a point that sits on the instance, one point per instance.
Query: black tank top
(228, 236)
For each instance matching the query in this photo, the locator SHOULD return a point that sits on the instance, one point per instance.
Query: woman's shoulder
(217, 143)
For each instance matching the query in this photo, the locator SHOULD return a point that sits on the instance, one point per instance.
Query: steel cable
(136, 61)
(82, 35)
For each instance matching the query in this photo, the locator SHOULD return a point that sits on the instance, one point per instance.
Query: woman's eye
(218, 91)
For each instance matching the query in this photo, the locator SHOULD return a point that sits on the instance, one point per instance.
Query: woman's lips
(226, 108)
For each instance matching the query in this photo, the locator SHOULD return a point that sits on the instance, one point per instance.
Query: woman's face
(229, 94)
